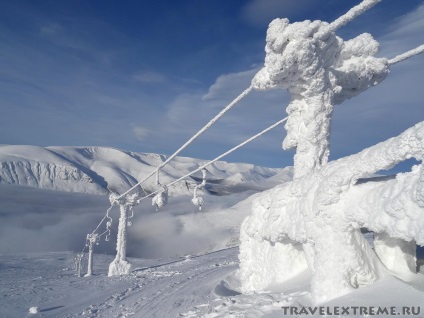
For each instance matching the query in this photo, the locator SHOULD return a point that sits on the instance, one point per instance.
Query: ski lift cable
(219, 157)
(194, 137)
(352, 14)
(397, 59)
(336, 24)
(407, 55)
(100, 235)
(104, 218)
(207, 126)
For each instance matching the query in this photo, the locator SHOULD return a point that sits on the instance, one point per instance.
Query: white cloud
(404, 34)
(258, 110)
(226, 85)
(50, 29)
(140, 132)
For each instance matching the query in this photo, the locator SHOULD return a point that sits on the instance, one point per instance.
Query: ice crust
(315, 220)
(320, 70)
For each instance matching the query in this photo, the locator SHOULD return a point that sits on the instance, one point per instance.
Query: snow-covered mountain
(94, 170)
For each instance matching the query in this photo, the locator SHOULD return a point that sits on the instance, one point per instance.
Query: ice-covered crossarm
(322, 213)
(320, 70)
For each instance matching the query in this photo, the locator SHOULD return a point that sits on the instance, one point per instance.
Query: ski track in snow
(160, 288)
(193, 286)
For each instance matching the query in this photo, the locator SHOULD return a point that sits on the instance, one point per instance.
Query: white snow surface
(186, 266)
(192, 286)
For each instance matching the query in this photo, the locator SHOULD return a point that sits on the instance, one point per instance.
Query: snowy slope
(37, 224)
(95, 169)
(196, 286)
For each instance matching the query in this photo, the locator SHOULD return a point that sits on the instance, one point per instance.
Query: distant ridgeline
(95, 170)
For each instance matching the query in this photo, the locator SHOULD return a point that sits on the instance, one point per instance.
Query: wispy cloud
(141, 133)
(394, 105)
(404, 34)
(150, 77)
(71, 80)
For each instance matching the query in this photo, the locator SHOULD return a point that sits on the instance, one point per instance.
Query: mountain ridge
(99, 170)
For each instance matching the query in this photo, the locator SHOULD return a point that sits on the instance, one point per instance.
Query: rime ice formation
(324, 210)
(160, 199)
(120, 265)
(319, 70)
(198, 201)
(91, 240)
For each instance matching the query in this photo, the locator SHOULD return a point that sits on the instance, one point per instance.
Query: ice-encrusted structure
(161, 198)
(319, 70)
(198, 201)
(314, 221)
(120, 265)
(323, 211)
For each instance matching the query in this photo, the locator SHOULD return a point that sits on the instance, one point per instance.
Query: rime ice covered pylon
(319, 70)
(303, 224)
(120, 265)
(325, 210)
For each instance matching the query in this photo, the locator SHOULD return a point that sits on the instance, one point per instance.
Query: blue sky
(146, 75)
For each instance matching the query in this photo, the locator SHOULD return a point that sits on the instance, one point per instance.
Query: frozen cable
(407, 55)
(220, 156)
(201, 131)
(104, 218)
(353, 13)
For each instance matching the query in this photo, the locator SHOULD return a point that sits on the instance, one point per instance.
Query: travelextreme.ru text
(352, 310)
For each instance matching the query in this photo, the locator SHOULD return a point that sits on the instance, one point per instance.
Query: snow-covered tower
(312, 221)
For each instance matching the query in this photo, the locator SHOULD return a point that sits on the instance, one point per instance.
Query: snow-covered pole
(203, 178)
(91, 240)
(79, 258)
(157, 177)
(120, 265)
